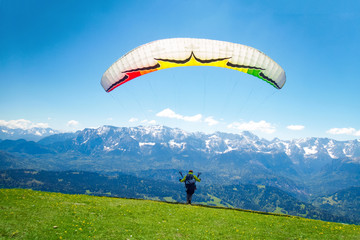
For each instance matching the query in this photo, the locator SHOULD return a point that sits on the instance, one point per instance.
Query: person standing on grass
(190, 179)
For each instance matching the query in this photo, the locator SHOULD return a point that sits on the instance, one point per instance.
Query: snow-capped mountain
(142, 139)
(316, 147)
(108, 138)
(32, 134)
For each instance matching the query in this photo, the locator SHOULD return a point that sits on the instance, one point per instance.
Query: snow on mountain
(306, 150)
(144, 138)
(146, 144)
(32, 134)
(174, 144)
(310, 151)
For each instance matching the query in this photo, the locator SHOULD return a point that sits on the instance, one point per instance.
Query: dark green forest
(250, 197)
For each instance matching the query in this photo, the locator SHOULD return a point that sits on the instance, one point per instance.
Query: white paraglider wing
(178, 52)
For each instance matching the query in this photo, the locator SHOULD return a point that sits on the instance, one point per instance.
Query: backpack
(190, 182)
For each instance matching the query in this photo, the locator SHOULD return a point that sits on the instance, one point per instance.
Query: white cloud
(133, 120)
(72, 123)
(168, 113)
(23, 124)
(151, 122)
(261, 126)
(295, 127)
(195, 118)
(211, 121)
(198, 118)
(344, 131)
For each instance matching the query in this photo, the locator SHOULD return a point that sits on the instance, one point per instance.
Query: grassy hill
(251, 197)
(27, 214)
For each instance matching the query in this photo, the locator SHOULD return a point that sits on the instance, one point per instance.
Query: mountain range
(306, 168)
(31, 134)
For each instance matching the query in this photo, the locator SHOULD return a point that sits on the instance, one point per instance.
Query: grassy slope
(27, 214)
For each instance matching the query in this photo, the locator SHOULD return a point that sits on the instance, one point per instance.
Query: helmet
(191, 171)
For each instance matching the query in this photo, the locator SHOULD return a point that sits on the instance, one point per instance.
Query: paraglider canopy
(178, 52)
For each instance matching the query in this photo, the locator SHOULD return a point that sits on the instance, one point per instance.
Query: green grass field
(27, 214)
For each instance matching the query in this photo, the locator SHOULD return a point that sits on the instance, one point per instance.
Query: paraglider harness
(190, 182)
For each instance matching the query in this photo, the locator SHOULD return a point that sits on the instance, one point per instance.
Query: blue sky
(53, 54)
